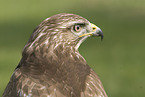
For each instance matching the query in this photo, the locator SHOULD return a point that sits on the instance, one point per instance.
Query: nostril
(94, 28)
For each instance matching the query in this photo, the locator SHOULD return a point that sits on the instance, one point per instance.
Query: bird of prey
(51, 65)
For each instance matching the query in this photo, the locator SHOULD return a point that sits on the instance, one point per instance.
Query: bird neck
(62, 63)
(52, 56)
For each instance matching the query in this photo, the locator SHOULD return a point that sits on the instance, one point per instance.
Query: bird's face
(81, 29)
(78, 29)
(62, 29)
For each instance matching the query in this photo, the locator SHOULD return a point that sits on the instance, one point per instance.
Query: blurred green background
(119, 59)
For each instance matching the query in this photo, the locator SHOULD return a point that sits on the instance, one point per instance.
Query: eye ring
(77, 28)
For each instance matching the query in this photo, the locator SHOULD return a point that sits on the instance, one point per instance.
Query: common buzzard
(51, 65)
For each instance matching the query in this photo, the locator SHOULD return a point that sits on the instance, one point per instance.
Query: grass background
(119, 60)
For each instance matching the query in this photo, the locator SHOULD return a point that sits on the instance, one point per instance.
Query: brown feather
(52, 66)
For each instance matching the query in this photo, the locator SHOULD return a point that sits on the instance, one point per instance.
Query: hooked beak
(96, 31)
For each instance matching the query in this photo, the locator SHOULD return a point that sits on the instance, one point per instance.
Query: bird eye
(77, 28)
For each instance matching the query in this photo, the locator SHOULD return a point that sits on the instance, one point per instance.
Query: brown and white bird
(51, 65)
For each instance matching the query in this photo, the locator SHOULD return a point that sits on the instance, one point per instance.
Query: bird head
(65, 29)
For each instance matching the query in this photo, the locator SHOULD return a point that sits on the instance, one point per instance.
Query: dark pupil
(78, 27)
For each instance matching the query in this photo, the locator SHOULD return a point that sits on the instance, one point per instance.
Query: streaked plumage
(51, 65)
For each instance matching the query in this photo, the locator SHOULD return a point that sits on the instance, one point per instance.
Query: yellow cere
(94, 27)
